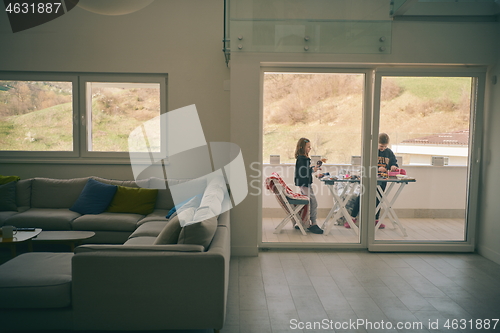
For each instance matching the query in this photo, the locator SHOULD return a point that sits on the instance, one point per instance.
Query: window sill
(65, 160)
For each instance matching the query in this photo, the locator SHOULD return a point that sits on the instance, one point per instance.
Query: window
(326, 108)
(73, 115)
(427, 117)
(36, 115)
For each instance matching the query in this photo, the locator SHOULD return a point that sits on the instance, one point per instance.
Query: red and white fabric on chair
(291, 197)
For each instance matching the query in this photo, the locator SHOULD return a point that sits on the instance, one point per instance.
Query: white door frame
(475, 146)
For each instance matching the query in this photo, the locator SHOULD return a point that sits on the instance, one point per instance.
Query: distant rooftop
(459, 138)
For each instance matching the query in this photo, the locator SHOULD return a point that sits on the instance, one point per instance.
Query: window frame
(81, 116)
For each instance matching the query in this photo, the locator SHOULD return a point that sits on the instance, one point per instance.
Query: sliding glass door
(326, 108)
(430, 119)
(416, 191)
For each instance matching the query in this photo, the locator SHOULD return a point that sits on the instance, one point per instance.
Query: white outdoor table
(385, 201)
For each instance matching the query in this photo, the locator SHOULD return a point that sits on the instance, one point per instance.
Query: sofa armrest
(143, 288)
(139, 248)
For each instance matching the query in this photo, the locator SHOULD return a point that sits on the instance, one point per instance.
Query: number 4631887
(479, 324)
(32, 8)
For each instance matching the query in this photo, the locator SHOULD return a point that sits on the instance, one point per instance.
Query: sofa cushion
(133, 200)
(8, 179)
(191, 202)
(8, 197)
(201, 229)
(45, 218)
(130, 183)
(56, 193)
(107, 222)
(144, 240)
(158, 215)
(210, 204)
(95, 198)
(199, 232)
(151, 229)
(186, 215)
(36, 280)
(170, 233)
(178, 191)
(23, 193)
(4, 216)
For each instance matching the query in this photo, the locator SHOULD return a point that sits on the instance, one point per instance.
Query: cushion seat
(144, 240)
(156, 215)
(151, 229)
(5, 215)
(107, 222)
(45, 218)
(36, 280)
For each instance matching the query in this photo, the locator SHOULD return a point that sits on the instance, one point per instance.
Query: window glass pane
(427, 117)
(428, 120)
(116, 109)
(36, 116)
(326, 108)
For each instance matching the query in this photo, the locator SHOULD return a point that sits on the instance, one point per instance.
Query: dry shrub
(21, 97)
(428, 107)
(289, 112)
(390, 89)
(301, 98)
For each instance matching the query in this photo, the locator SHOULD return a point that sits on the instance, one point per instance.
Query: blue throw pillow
(95, 198)
(191, 202)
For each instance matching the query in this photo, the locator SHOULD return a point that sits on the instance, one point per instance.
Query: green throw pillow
(8, 179)
(133, 200)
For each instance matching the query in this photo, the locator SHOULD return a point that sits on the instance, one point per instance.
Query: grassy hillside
(47, 129)
(115, 113)
(410, 108)
(51, 129)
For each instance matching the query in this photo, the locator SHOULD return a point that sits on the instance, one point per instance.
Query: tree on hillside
(21, 97)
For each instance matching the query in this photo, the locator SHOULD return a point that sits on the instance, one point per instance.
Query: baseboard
(402, 213)
(244, 251)
(431, 213)
(278, 212)
(489, 253)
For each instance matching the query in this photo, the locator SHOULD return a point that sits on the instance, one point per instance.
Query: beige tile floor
(417, 229)
(280, 290)
(277, 290)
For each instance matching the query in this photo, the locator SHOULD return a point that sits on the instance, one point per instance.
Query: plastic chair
(294, 204)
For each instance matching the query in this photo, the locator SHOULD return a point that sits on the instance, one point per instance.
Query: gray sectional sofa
(140, 272)
(45, 203)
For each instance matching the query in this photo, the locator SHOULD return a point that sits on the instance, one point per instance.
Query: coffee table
(20, 237)
(70, 237)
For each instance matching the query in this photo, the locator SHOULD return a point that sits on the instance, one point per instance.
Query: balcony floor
(418, 229)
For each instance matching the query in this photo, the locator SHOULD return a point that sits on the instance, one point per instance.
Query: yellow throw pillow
(133, 200)
(8, 179)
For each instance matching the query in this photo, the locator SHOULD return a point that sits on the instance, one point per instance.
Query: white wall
(412, 43)
(181, 38)
(489, 212)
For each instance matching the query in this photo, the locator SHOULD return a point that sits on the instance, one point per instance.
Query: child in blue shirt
(386, 162)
